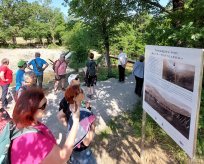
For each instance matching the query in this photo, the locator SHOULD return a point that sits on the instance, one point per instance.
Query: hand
(88, 105)
(57, 76)
(76, 113)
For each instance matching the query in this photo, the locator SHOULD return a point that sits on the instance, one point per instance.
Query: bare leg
(91, 90)
(63, 83)
(56, 85)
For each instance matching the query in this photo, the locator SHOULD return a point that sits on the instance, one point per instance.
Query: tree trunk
(14, 40)
(107, 47)
(41, 42)
(178, 7)
(53, 39)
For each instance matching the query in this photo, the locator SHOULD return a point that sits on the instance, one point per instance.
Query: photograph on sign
(179, 74)
(171, 93)
(175, 112)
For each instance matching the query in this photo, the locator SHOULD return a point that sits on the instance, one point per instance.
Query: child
(29, 82)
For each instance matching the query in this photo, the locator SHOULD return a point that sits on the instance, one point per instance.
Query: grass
(102, 72)
(104, 134)
(154, 134)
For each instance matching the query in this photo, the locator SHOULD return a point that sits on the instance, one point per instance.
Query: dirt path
(112, 98)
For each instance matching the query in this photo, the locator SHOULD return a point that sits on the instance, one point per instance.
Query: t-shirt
(19, 78)
(138, 69)
(91, 67)
(21, 90)
(32, 147)
(61, 67)
(122, 58)
(64, 106)
(40, 62)
(8, 74)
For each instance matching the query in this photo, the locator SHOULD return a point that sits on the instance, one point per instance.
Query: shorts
(91, 80)
(60, 77)
(83, 157)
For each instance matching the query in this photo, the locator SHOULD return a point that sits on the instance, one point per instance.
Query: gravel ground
(111, 99)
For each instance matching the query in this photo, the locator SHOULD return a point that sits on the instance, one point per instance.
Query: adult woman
(60, 72)
(64, 111)
(6, 77)
(82, 153)
(138, 72)
(40, 147)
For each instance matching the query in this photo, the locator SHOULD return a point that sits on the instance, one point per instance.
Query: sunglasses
(76, 78)
(43, 106)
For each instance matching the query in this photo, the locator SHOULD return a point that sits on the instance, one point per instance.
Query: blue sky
(58, 4)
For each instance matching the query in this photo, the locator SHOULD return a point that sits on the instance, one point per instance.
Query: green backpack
(9, 133)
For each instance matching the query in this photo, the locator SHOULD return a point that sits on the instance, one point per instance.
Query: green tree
(103, 16)
(44, 22)
(14, 15)
(79, 40)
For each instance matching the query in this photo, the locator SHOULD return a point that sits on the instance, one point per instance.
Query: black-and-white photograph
(175, 112)
(179, 74)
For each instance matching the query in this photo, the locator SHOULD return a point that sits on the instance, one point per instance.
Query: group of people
(36, 141)
(138, 71)
(37, 144)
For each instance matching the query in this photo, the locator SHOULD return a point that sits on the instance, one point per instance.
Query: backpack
(54, 64)
(91, 68)
(40, 69)
(9, 133)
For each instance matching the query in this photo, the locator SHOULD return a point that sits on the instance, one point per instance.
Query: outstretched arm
(28, 66)
(62, 155)
(62, 118)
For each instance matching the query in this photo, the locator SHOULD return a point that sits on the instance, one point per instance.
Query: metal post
(144, 115)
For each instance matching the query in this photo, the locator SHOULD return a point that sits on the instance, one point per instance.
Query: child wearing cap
(19, 74)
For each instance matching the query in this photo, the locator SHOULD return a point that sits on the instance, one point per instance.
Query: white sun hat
(72, 77)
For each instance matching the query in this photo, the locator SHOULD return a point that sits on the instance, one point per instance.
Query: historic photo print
(175, 112)
(179, 74)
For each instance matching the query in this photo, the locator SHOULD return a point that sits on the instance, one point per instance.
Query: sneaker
(88, 95)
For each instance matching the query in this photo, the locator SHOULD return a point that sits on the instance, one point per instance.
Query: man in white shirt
(122, 61)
